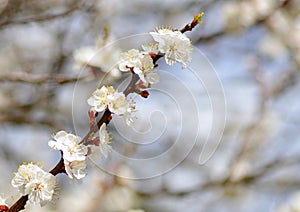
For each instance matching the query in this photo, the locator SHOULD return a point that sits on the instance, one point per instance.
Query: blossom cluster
(33, 181)
(245, 13)
(140, 63)
(39, 185)
(75, 153)
(175, 46)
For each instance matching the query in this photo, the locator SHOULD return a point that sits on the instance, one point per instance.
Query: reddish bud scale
(130, 68)
(144, 94)
(92, 116)
(89, 151)
(96, 141)
(152, 55)
(3, 208)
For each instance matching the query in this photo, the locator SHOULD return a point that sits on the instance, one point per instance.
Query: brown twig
(19, 205)
(59, 168)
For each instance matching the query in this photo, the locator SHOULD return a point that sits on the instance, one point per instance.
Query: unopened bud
(144, 94)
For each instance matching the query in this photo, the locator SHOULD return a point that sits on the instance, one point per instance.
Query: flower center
(39, 186)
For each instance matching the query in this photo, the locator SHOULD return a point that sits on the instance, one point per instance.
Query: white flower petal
(140, 62)
(152, 78)
(59, 135)
(75, 169)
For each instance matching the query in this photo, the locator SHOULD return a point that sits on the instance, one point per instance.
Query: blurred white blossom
(280, 23)
(272, 47)
(245, 13)
(263, 8)
(120, 198)
(87, 56)
(239, 14)
(104, 55)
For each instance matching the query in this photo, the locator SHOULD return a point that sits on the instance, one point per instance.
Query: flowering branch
(172, 45)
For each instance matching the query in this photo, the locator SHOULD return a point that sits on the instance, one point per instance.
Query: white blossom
(75, 169)
(118, 103)
(105, 140)
(108, 97)
(69, 145)
(151, 48)
(40, 190)
(130, 60)
(33, 181)
(24, 175)
(140, 63)
(99, 99)
(176, 46)
(74, 154)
